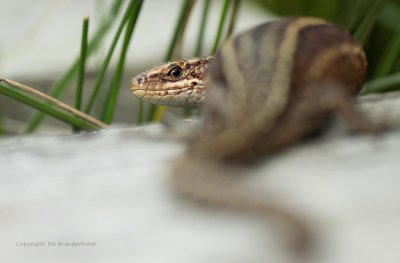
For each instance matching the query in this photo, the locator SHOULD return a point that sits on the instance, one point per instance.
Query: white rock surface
(112, 188)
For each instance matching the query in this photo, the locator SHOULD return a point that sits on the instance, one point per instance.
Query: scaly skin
(179, 83)
(261, 83)
(269, 88)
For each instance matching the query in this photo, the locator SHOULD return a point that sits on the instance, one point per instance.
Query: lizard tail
(222, 186)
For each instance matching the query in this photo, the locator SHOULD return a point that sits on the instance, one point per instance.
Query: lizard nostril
(139, 79)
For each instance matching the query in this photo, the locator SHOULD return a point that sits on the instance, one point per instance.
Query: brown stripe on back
(255, 56)
(242, 127)
(269, 43)
(344, 64)
(314, 42)
(280, 87)
(257, 37)
(314, 39)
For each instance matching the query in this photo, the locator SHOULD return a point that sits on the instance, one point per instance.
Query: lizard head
(179, 83)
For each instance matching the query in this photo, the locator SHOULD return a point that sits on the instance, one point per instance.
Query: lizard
(263, 91)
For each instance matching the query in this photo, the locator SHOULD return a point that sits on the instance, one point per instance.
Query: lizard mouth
(137, 91)
(186, 93)
(183, 97)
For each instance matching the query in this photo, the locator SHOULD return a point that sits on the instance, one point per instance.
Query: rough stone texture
(112, 188)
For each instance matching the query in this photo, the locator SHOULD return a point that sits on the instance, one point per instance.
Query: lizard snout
(139, 79)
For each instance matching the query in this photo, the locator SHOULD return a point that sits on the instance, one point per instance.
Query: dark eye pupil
(175, 72)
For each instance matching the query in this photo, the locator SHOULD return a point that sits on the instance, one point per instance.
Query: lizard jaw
(184, 94)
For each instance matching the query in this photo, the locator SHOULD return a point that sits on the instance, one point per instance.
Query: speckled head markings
(178, 83)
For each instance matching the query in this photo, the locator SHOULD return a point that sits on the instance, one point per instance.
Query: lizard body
(269, 87)
(266, 89)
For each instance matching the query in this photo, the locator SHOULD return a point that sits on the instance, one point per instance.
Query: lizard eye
(175, 72)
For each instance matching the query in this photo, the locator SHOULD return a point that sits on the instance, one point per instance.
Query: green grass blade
(186, 8)
(326, 9)
(179, 28)
(368, 21)
(384, 84)
(220, 26)
(62, 83)
(55, 91)
(100, 77)
(139, 112)
(46, 108)
(389, 58)
(199, 43)
(389, 35)
(233, 19)
(200, 35)
(347, 18)
(82, 62)
(2, 131)
(109, 108)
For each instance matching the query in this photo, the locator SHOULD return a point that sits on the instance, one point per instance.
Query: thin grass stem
(368, 21)
(2, 131)
(155, 113)
(109, 107)
(62, 83)
(104, 66)
(202, 29)
(82, 62)
(47, 108)
(55, 102)
(139, 112)
(389, 58)
(233, 19)
(221, 23)
(383, 84)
